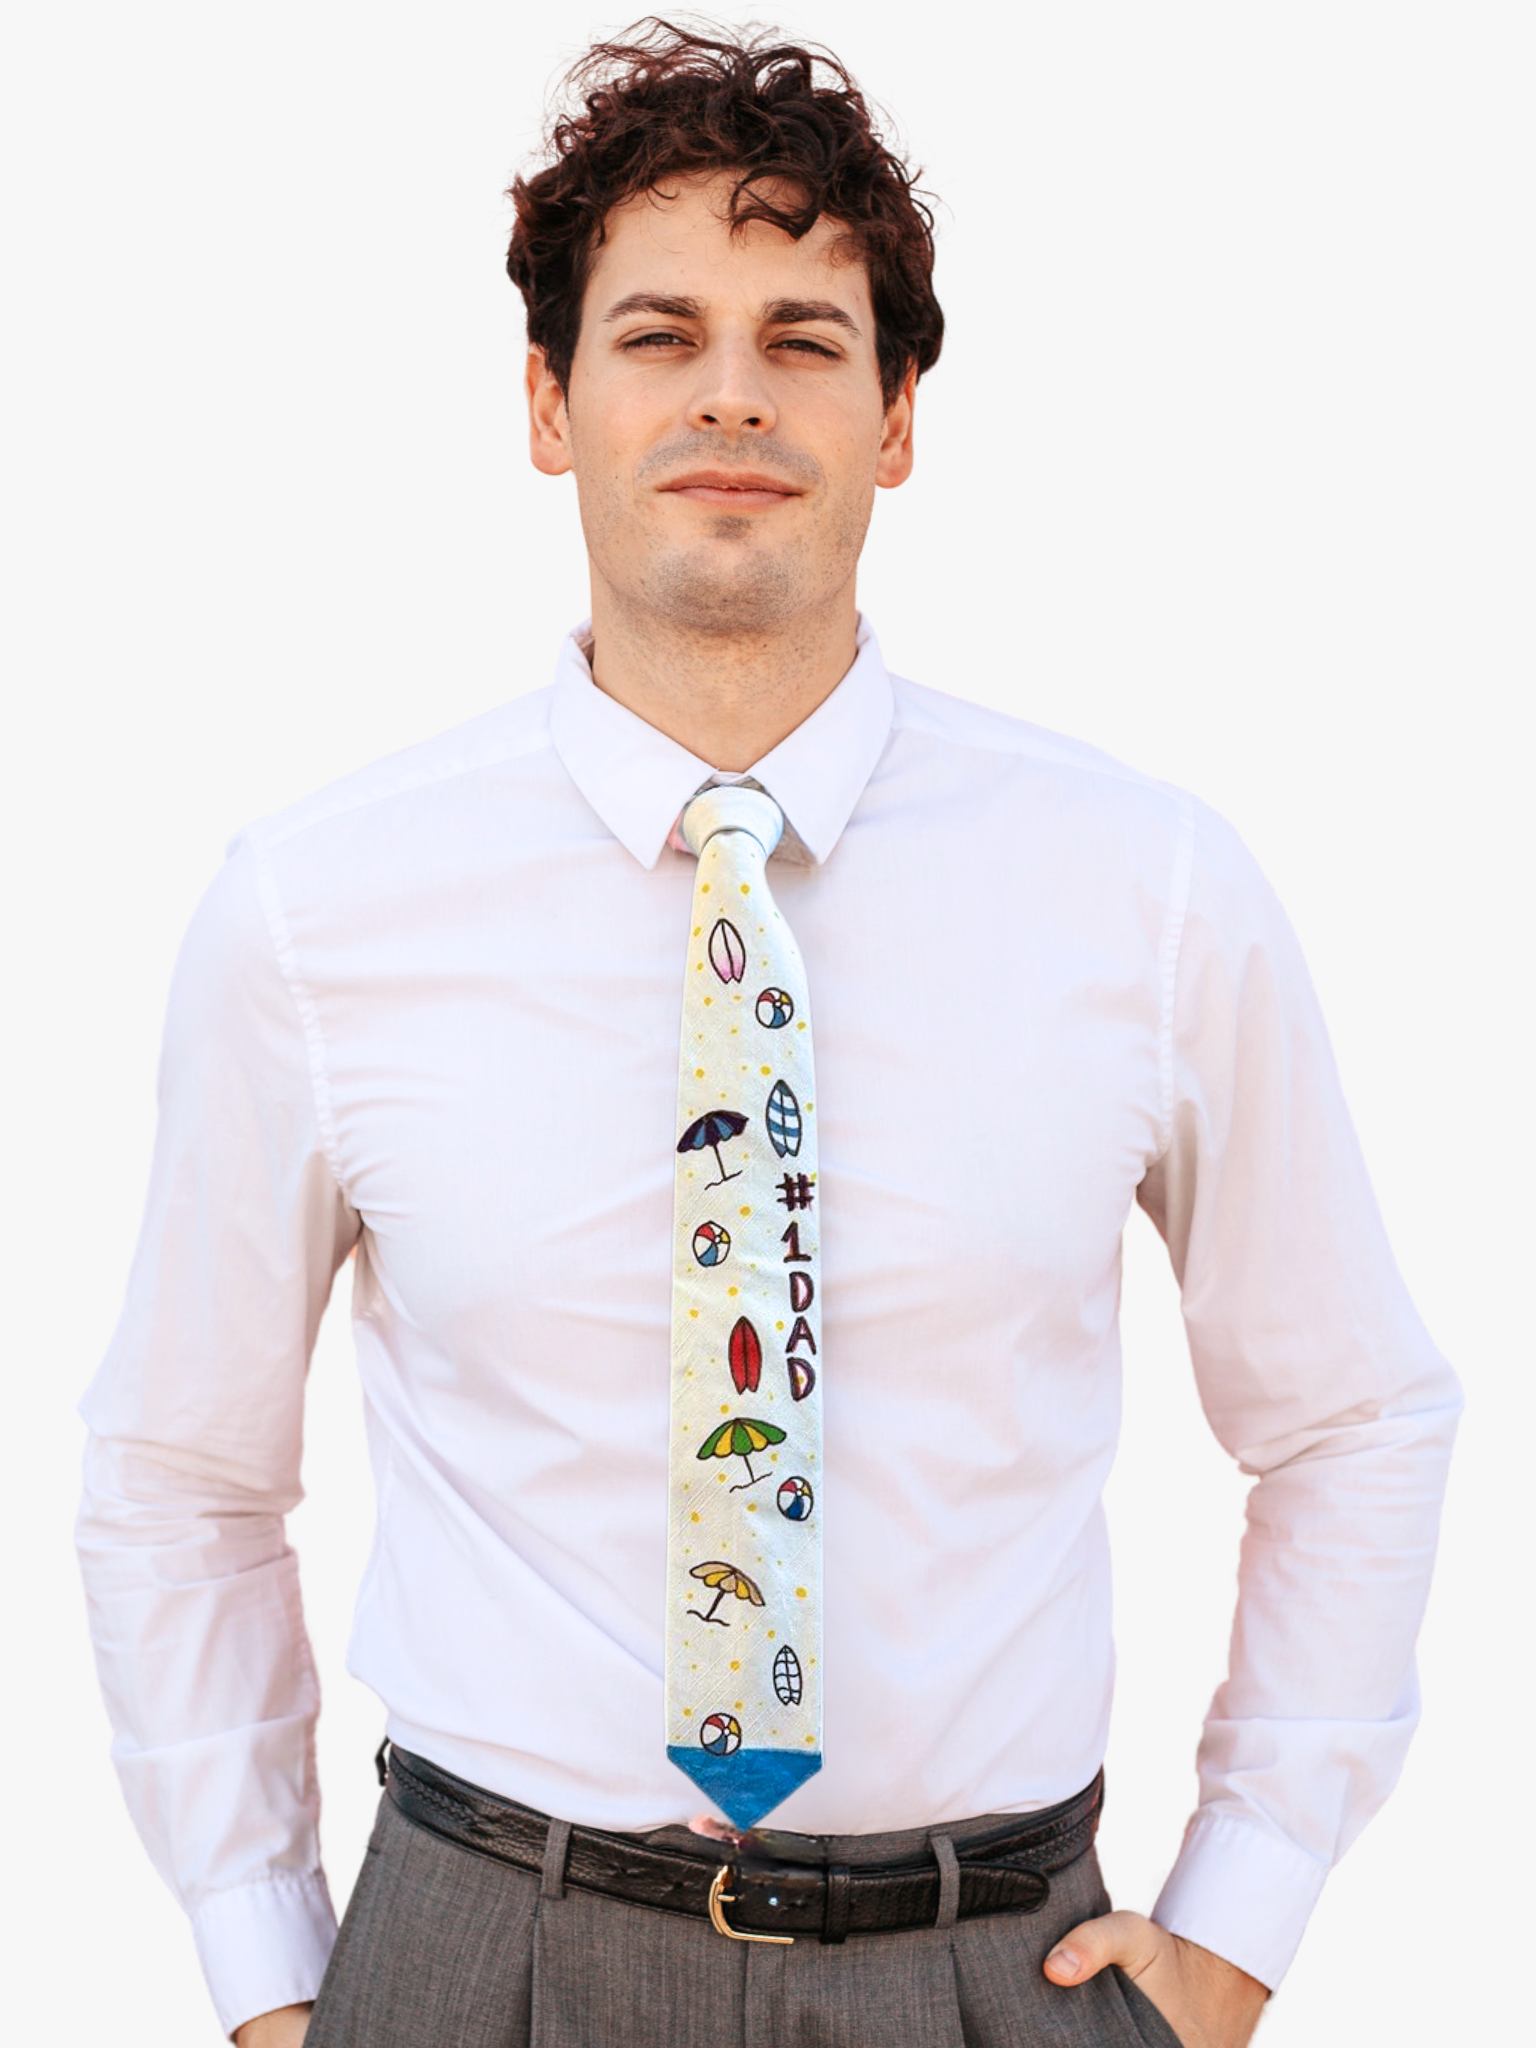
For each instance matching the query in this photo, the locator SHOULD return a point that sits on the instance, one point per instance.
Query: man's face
(724, 418)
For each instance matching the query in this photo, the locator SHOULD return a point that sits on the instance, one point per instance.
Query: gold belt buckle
(720, 1898)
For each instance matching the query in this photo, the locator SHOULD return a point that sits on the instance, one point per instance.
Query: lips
(740, 487)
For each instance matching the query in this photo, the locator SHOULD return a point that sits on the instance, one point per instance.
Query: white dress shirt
(432, 1014)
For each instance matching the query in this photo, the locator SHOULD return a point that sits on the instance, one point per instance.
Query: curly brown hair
(663, 101)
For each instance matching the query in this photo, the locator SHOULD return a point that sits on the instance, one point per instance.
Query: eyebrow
(776, 313)
(796, 312)
(655, 302)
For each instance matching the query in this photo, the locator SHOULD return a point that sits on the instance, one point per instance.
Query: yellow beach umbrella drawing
(724, 1579)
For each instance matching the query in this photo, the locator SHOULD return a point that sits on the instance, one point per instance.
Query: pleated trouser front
(442, 1947)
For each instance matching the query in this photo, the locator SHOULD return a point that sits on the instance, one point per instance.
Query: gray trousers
(443, 1947)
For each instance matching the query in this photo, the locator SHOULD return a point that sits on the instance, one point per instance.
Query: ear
(894, 463)
(549, 425)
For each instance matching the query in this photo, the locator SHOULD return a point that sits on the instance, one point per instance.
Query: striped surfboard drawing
(782, 1117)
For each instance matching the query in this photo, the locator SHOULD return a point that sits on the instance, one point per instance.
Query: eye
(660, 339)
(802, 344)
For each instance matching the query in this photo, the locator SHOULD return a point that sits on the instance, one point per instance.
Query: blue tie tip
(749, 1783)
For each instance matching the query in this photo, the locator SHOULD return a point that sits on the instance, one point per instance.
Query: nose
(731, 391)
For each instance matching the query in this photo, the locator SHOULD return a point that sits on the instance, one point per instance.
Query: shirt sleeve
(1316, 1374)
(195, 1421)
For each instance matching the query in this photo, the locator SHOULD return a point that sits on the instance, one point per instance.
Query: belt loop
(949, 1880)
(556, 1844)
(834, 1925)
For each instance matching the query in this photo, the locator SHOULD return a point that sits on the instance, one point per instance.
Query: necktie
(743, 1621)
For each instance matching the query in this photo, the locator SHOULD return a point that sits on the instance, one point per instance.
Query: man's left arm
(1317, 1375)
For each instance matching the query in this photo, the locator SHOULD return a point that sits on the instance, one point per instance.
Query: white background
(1227, 468)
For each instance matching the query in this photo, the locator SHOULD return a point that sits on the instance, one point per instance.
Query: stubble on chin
(727, 587)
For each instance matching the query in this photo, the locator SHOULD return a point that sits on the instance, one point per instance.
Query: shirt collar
(638, 780)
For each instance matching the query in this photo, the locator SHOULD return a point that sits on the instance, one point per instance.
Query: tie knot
(732, 808)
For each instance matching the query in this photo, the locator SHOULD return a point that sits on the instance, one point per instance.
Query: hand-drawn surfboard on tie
(782, 1116)
(745, 1354)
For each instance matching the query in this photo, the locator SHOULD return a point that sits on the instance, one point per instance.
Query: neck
(728, 698)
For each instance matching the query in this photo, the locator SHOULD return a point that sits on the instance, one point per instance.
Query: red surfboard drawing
(746, 1357)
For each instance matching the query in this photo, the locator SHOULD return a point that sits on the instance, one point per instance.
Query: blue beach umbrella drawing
(714, 1129)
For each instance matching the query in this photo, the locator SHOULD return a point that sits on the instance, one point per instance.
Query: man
(433, 1016)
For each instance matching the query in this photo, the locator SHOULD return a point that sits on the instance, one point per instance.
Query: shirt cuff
(1242, 1892)
(264, 1945)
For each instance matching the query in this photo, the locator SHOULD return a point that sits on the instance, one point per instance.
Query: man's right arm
(193, 1461)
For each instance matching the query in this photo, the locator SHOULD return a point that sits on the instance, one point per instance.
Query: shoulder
(1064, 798)
(933, 716)
(375, 797)
(409, 830)
(1058, 777)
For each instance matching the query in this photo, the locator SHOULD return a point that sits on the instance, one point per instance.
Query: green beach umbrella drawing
(740, 1438)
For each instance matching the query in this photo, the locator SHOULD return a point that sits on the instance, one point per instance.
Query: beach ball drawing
(775, 1007)
(796, 1499)
(711, 1244)
(787, 1680)
(721, 1734)
(782, 1117)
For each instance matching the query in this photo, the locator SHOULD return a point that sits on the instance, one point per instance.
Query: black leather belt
(772, 1889)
